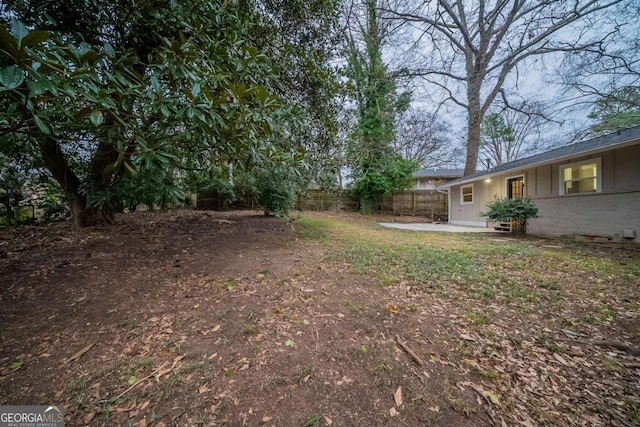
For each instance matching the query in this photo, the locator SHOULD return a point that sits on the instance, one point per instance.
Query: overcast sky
(538, 78)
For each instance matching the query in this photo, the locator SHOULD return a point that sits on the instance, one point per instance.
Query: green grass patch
(476, 318)
(420, 265)
(313, 228)
(528, 275)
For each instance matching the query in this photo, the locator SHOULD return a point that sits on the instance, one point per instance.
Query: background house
(429, 179)
(589, 190)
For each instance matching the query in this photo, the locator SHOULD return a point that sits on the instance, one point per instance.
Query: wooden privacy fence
(426, 203)
(318, 200)
(429, 203)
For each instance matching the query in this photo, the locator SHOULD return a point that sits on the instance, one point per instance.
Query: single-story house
(429, 179)
(590, 189)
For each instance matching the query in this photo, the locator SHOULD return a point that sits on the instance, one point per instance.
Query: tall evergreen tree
(378, 170)
(617, 110)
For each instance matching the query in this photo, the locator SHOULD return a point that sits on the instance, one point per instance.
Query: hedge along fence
(429, 203)
(215, 201)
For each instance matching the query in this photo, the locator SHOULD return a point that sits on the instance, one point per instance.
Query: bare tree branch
(423, 138)
(481, 42)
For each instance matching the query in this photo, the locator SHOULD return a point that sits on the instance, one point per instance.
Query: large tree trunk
(473, 131)
(83, 213)
(105, 155)
(473, 147)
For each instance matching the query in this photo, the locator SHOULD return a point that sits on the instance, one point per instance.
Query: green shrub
(212, 183)
(19, 215)
(53, 203)
(512, 210)
(276, 191)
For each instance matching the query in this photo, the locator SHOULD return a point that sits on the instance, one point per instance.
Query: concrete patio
(446, 228)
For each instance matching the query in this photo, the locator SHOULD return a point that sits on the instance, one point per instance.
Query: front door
(515, 187)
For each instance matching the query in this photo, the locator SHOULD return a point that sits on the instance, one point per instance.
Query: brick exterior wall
(588, 215)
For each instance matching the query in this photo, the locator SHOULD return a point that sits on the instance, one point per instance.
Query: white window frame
(506, 185)
(596, 160)
(473, 194)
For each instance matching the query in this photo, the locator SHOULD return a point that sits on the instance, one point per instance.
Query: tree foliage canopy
(424, 138)
(109, 90)
(509, 135)
(497, 139)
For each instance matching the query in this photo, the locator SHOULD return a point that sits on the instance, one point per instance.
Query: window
(466, 194)
(581, 177)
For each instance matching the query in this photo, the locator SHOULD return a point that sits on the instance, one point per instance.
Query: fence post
(413, 202)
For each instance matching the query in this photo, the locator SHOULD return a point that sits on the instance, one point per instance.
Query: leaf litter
(536, 358)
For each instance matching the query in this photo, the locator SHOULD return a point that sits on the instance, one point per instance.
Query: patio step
(503, 226)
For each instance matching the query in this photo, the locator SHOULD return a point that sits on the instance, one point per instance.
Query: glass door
(515, 187)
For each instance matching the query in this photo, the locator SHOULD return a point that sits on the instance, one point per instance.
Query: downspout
(448, 203)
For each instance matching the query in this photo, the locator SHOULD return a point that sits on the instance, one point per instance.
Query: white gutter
(536, 164)
(448, 202)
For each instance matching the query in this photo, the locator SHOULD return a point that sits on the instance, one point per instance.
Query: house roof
(590, 146)
(439, 173)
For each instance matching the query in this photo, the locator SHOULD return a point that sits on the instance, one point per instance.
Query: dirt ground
(194, 318)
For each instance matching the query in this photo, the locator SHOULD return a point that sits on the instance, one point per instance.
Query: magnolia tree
(109, 90)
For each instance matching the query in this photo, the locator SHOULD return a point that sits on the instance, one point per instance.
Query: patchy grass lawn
(552, 326)
(207, 318)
